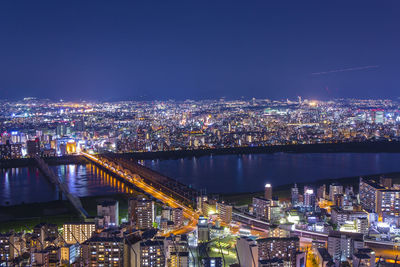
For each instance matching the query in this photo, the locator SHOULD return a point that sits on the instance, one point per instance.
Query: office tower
(224, 212)
(268, 191)
(261, 207)
(379, 117)
(335, 189)
(247, 250)
(141, 212)
(103, 251)
(61, 130)
(342, 245)
(309, 198)
(78, 232)
(108, 211)
(33, 147)
(280, 248)
(295, 195)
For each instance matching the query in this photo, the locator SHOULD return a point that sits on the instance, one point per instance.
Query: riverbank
(26, 162)
(21, 217)
(350, 147)
(283, 191)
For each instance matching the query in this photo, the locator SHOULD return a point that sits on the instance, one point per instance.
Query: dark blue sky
(110, 50)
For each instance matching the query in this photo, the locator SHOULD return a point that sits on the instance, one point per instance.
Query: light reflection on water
(249, 173)
(17, 185)
(223, 173)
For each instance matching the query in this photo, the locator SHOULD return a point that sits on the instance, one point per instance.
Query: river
(216, 174)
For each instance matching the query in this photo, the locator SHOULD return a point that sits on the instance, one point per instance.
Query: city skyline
(199, 133)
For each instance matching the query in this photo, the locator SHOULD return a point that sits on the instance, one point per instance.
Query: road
(188, 213)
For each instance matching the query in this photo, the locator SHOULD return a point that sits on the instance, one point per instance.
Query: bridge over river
(165, 189)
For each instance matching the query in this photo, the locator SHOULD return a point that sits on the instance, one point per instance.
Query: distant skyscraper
(309, 198)
(295, 195)
(335, 189)
(379, 117)
(268, 191)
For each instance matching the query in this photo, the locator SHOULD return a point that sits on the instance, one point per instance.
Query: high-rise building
(103, 251)
(342, 245)
(378, 199)
(108, 212)
(152, 253)
(177, 217)
(268, 191)
(78, 232)
(338, 200)
(295, 195)
(69, 254)
(247, 250)
(309, 198)
(141, 212)
(203, 230)
(33, 147)
(224, 212)
(335, 189)
(10, 151)
(379, 117)
(177, 251)
(280, 248)
(364, 257)
(261, 207)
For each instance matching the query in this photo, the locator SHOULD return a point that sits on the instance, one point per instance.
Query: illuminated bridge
(180, 191)
(156, 186)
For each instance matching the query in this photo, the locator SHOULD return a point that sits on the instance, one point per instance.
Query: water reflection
(16, 185)
(246, 173)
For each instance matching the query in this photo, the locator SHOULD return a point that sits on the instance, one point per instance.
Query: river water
(223, 173)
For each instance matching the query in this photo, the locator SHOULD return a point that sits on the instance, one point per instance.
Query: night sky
(115, 50)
